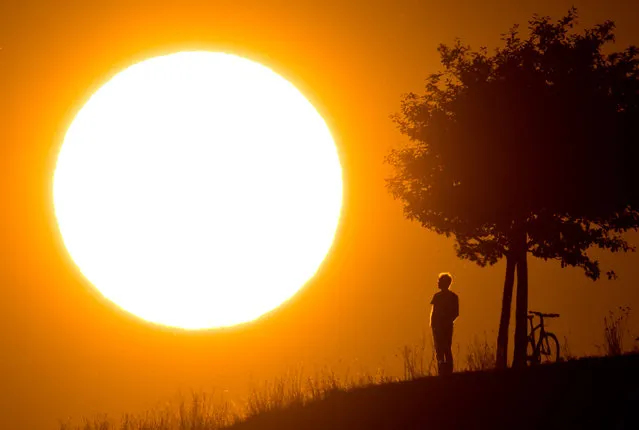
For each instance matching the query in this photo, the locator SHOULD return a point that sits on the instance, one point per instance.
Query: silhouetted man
(443, 314)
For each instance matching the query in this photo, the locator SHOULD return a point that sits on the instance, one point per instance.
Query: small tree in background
(529, 150)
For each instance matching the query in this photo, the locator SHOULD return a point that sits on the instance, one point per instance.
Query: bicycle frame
(540, 340)
(536, 343)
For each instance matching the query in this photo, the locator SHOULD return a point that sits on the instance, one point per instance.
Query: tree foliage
(541, 136)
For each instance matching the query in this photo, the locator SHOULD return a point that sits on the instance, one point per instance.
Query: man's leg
(440, 349)
(449, 361)
(448, 352)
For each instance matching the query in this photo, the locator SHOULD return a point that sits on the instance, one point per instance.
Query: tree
(528, 150)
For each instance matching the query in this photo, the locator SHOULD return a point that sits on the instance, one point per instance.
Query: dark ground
(590, 393)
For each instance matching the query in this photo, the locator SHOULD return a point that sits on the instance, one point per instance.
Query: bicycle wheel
(549, 349)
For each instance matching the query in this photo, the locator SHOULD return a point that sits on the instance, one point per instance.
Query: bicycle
(544, 349)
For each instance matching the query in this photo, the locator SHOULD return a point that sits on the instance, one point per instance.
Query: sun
(198, 190)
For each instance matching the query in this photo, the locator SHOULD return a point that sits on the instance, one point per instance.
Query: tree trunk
(521, 310)
(506, 304)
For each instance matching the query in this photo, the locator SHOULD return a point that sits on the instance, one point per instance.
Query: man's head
(444, 280)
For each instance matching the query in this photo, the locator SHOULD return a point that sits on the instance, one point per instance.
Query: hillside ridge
(596, 392)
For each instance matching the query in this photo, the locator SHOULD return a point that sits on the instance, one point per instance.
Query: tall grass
(287, 390)
(480, 354)
(201, 411)
(208, 412)
(616, 331)
(566, 351)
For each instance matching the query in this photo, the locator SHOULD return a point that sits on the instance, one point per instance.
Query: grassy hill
(592, 393)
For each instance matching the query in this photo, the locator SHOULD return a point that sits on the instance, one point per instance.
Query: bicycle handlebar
(541, 314)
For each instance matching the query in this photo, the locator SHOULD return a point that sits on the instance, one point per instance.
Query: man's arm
(431, 315)
(432, 308)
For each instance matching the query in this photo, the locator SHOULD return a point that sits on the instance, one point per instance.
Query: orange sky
(66, 352)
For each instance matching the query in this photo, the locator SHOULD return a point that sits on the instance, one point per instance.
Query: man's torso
(444, 308)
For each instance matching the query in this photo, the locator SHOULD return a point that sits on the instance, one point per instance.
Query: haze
(66, 352)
